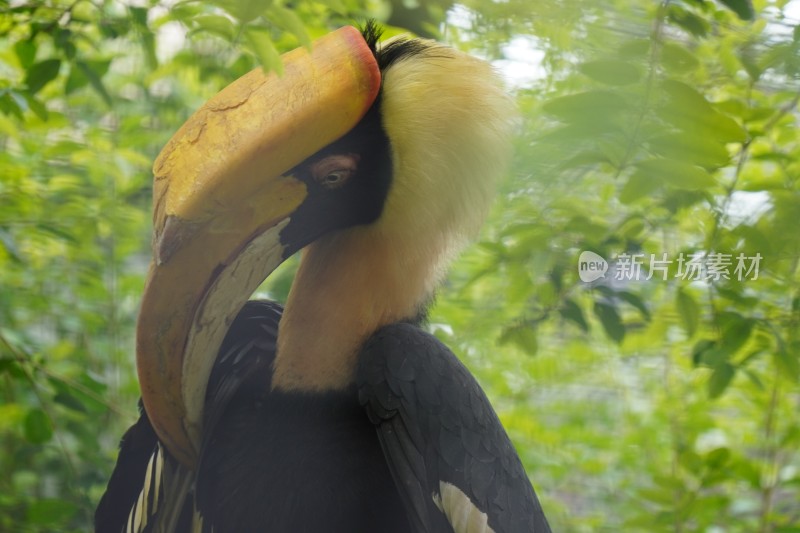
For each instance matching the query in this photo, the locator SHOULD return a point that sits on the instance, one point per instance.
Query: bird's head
(402, 142)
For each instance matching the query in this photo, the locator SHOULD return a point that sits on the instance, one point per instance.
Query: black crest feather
(393, 52)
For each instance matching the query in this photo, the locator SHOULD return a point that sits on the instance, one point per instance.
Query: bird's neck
(348, 285)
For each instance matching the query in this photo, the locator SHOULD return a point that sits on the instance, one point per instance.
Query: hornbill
(337, 413)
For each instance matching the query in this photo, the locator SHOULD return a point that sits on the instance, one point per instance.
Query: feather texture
(450, 456)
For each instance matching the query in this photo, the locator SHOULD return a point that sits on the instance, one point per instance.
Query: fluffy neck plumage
(348, 285)
(449, 122)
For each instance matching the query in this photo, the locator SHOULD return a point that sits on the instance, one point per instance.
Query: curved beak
(222, 195)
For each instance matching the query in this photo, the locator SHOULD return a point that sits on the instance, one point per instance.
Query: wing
(149, 491)
(451, 459)
(243, 371)
(130, 489)
(245, 358)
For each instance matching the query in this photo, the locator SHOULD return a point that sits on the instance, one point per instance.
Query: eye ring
(336, 178)
(335, 171)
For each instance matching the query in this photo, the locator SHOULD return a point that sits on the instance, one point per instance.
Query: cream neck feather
(448, 121)
(348, 285)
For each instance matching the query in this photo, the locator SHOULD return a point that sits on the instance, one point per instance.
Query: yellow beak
(221, 198)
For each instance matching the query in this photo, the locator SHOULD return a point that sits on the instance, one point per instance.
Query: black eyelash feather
(372, 34)
(395, 51)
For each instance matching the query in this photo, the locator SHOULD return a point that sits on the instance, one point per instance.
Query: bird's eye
(334, 171)
(335, 178)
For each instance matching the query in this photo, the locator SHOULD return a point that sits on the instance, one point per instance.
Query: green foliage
(647, 130)
(652, 404)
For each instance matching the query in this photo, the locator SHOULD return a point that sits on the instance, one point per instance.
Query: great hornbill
(337, 413)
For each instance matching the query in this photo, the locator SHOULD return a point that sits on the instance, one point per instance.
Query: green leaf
(94, 71)
(37, 427)
(288, 20)
(185, 10)
(69, 401)
(572, 312)
(735, 330)
(19, 99)
(138, 15)
(8, 244)
(583, 128)
(700, 349)
(244, 11)
(748, 470)
(634, 49)
(91, 383)
(678, 57)
(718, 458)
(262, 45)
(9, 104)
(657, 496)
(632, 229)
(40, 74)
(688, 110)
(754, 64)
(716, 355)
(76, 80)
(588, 106)
(57, 231)
(64, 42)
(215, 24)
(792, 436)
(76, 398)
(721, 377)
(691, 148)
(689, 312)
(754, 379)
(11, 367)
(610, 72)
(26, 53)
(38, 108)
(609, 318)
(787, 362)
(686, 98)
(639, 185)
(584, 158)
(743, 8)
(522, 336)
(688, 21)
(636, 302)
(688, 459)
(677, 174)
(50, 512)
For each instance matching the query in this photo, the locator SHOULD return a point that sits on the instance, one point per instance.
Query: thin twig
(655, 38)
(771, 468)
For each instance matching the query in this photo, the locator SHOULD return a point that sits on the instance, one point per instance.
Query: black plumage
(436, 425)
(288, 462)
(135, 450)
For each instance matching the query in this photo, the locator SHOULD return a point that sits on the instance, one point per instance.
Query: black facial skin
(358, 200)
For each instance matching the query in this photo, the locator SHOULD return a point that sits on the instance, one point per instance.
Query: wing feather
(146, 479)
(451, 459)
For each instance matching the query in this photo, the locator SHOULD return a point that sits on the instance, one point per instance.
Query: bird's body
(333, 474)
(339, 414)
(298, 461)
(316, 462)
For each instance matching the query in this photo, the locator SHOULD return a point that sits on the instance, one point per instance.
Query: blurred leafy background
(646, 128)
